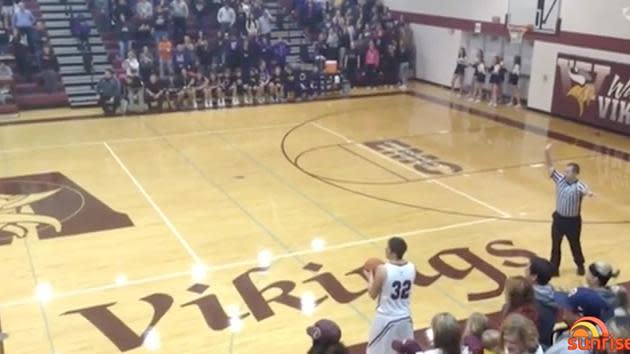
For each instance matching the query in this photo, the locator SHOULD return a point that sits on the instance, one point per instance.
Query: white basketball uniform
(393, 313)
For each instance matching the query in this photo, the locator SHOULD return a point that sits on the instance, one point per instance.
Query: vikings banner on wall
(593, 91)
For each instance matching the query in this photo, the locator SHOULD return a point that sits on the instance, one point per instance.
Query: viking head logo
(18, 219)
(50, 205)
(582, 90)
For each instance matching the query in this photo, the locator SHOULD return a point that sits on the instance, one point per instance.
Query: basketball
(371, 264)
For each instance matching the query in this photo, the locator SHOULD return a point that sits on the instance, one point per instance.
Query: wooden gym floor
(142, 234)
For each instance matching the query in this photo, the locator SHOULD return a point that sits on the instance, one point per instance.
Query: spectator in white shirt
(226, 17)
(131, 65)
(251, 25)
(264, 23)
(144, 10)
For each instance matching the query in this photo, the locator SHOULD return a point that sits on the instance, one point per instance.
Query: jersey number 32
(401, 290)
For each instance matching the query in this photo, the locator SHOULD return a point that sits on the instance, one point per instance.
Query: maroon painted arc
(593, 41)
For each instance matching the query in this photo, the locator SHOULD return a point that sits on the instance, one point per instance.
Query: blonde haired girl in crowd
(475, 326)
(460, 71)
(515, 75)
(479, 79)
(519, 335)
(447, 335)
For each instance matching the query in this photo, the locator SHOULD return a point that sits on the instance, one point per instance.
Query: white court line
(409, 168)
(165, 218)
(146, 138)
(248, 262)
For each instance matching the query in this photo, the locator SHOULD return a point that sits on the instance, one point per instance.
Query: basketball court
(153, 233)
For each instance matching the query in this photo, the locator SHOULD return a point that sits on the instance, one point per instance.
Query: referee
(567, 220)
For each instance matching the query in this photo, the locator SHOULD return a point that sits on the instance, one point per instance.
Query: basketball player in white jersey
(391, 284)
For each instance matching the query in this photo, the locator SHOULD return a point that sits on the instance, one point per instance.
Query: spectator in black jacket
(204, 56)
(160, 21)
(539, 272)
(154, 93)
(50, 68)
(20, 52)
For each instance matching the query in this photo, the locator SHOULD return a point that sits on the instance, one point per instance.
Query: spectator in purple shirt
(181, 58)
(280, 52)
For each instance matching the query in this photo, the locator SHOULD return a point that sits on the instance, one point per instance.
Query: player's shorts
(387, 329)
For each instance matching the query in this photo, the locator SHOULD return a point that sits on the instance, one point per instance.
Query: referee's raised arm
(551, 170)
(548, 160)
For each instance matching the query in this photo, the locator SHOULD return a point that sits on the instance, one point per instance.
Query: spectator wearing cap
(597, 278)
(226, 17)
(447, 335)
(408, 346)
(519, 335)
(539, 272)
(578, 303)
(326, 336)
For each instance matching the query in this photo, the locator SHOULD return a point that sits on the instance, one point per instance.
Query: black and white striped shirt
(568, 195)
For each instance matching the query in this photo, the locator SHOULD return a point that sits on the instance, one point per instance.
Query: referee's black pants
(571, 227)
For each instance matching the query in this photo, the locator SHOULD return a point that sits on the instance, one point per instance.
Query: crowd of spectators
(535, 319)
(25, 37)
(183, 54)
(371, 46)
